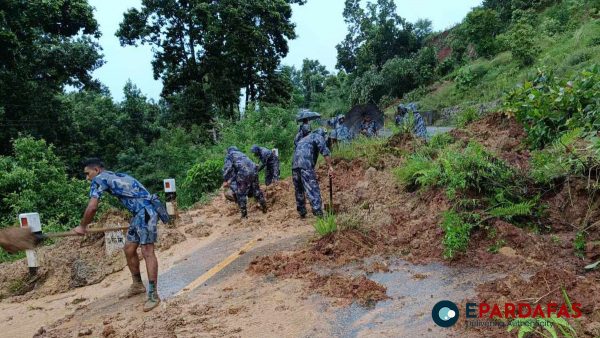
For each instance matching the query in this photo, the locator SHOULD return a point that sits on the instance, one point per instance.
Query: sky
(319, 27)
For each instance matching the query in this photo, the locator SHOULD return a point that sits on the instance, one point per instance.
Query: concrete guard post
(32, 221)
(171, 197)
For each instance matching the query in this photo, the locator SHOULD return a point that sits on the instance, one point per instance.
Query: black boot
(244, 213)
(263, 207)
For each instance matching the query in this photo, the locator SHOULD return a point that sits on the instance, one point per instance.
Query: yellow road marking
(215, 269)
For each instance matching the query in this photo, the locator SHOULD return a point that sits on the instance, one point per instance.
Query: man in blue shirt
(268, 159)
(142, 229)
(303, 171)
(239, 173)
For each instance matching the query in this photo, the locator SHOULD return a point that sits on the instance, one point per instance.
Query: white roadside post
(171, 197)
(114, 241)
(32, 221)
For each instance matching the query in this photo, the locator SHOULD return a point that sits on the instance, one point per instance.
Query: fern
(512, 209)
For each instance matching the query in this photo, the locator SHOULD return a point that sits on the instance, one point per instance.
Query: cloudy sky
(319, 26)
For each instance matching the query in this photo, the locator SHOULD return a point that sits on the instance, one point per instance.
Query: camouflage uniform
(340, 131)
(419, 129)
(269, 160)
(368, 128)
(133, 195)
(240, 171)
(303, 130)
(303, 172)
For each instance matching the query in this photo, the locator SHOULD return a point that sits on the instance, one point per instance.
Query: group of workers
(240, 175)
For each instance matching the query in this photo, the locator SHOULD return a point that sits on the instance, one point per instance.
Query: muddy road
(271, 276)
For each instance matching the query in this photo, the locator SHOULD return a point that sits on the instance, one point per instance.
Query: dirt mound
(349, 289)
(501, 135)
(71, 262)
(405, 141)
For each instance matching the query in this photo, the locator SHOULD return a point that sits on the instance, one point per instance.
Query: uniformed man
(303, 171)
(239, 173)
(269, 160)
(142, 229)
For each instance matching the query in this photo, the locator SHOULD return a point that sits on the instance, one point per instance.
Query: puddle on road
(413, 291)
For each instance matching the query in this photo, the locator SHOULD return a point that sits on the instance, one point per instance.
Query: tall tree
(44, 46)
(375, 35)
(207, 50)
(313, 75)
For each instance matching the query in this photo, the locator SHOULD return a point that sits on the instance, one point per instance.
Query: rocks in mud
(362, 191)
(108, 331)
(85, 332)
(370, 173)
(83, 273)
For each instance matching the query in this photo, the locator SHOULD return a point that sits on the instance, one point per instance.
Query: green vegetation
(326, 224)
(480, 187)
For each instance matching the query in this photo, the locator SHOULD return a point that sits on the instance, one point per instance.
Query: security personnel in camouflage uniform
(269, 160)
(419, 128)
(240, 174)
(303, 131)
(340, 131)
(142, 229)
(303, 171)
(367, 127)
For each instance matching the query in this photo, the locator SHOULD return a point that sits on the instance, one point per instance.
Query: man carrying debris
(367, 127)
(419, 128)
(239, 173)
(268, 159)
(303, 131)
(142, 229)
(303, 171)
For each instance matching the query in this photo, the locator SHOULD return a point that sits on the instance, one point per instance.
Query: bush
(468, 76)
(481, 27)
(548, 107)
(34, 179)
(466, 116)
(367, 88)
(521, 42)
(398, 76)
(202, 178)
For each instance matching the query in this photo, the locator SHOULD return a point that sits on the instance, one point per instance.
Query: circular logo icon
(445, 313)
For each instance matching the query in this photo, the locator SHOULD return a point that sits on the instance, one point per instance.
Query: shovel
(330, 207)
(19, 239)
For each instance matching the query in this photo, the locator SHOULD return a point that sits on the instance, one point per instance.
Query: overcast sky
(319, 26)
